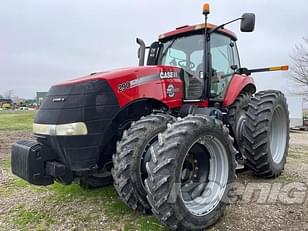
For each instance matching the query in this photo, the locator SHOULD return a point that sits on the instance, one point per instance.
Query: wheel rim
(278, 134)
(203, 188)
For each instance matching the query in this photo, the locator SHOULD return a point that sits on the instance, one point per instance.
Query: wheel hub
(204, 176)
(189, 170)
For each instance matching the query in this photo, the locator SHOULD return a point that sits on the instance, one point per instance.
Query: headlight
(71, 129)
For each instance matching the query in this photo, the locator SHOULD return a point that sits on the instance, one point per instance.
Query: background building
(40, 96)
(6, 103)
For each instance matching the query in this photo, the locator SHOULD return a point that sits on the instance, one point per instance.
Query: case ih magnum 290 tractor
(169, 134)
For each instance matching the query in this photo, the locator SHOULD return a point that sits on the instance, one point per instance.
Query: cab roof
(198, 27)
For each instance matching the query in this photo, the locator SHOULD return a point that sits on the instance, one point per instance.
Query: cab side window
(236, 55)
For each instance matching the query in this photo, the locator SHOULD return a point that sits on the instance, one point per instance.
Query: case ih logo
(168, 75)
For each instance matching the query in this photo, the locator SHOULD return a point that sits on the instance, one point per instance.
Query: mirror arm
(222, 25)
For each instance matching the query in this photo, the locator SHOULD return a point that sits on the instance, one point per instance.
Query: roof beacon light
(206, 8)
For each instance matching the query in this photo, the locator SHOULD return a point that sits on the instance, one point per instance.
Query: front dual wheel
(189, 171)
(132, 153)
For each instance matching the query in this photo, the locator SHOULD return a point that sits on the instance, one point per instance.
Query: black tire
(129, 160)
(101, 179)
(266, 133)
(93, 182)
(166, 171)
(237, 117)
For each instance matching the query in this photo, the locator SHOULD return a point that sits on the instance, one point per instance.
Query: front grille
(87, 102)
(92, 102)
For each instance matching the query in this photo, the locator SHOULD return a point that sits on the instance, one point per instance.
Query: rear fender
(238, 84)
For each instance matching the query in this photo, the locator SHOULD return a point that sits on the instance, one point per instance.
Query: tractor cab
(206, 53)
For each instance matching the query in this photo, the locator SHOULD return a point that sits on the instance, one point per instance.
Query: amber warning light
(206, 8)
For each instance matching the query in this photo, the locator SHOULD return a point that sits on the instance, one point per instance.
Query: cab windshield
(187, 53)
(184, 52)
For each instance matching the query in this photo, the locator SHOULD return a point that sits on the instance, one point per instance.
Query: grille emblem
(56, 100)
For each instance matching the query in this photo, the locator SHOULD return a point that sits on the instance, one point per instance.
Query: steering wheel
(186, 64)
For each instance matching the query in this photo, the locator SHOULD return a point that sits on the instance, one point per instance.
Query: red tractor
(170, 134)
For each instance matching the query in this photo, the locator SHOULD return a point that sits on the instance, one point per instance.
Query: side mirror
(248, 22)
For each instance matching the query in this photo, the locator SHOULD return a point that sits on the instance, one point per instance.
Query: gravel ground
(9, 137)
(67, 208)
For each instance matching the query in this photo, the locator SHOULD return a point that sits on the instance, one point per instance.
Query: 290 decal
(124, 86)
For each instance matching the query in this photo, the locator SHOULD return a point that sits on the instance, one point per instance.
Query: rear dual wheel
(266, 133)
(189, 171)
(237, 118)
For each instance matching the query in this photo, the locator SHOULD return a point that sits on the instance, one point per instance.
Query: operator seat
(195, 84)
(216, 78)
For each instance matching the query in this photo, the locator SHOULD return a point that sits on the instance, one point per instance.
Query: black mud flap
(29, 162)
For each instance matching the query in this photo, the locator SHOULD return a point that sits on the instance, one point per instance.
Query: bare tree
(299, 68)
(8, 94)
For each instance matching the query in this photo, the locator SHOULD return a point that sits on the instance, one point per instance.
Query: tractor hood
(131, 73)
(101, 95)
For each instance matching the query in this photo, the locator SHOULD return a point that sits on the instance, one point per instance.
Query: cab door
(224, 64)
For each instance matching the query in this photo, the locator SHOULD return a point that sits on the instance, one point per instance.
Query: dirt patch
(281, 214)
(7, 138)
(299, 138)
(60, 207)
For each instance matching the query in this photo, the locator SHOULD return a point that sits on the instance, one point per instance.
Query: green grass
(31, 217)
(78, 204)
(16, 120)
(106, 201)
(6, 164)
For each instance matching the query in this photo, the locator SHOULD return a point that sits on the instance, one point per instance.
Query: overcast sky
(44, 42)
